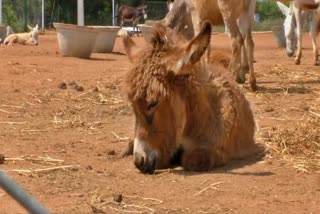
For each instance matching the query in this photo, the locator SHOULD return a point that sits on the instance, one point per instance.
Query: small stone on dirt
(95, 89)
(111, 152)
(79, 88)
(72, 84)
(268, 109)
(2, 158)
(62, 85)
(117, 197)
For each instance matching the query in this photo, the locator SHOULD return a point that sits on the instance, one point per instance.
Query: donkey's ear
(30, 28)
(36, 27)
(283, 8)
(199, 44)
(129, 45)
(195, 49)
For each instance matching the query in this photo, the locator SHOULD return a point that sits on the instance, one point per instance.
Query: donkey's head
(157, 87)
(290, 28)
(34, 34)
(142, 9)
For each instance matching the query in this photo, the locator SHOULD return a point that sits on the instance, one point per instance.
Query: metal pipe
(80, 7)
(113, 13)
(43, 13)
(25, 15)
(0, 12)
(20, 195)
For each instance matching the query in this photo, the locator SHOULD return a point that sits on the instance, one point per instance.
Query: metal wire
(20, 195)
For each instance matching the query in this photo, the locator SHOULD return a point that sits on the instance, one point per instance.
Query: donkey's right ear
(129, 45)
(283, 8)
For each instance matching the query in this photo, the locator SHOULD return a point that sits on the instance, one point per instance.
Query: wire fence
(18, 15)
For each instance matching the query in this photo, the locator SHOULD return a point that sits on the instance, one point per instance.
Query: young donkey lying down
(184, 106)
(23, 38)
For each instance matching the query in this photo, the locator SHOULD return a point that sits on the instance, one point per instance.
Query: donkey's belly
(208, 10)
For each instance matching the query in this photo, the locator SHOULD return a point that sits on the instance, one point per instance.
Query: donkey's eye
(152, 104)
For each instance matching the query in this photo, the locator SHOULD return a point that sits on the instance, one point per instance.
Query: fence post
(80, 8)
(25, 15)
(43, 11)
(0, 12)
(113, 13)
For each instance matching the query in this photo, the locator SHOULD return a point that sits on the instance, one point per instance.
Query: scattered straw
(13, 123)
(35, 159)
(299, 144)
(155, 201)
(23, 171)
(118, 138)
(211, 186)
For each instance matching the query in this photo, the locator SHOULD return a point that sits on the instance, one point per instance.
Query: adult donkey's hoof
(240, 78)
(297, 61)
(253, 85)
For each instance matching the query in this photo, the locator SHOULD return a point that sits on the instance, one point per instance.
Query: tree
(268, 9)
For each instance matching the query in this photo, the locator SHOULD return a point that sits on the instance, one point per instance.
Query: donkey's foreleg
(314, 33)
(250, 49)
(297, 14)
(237, 43)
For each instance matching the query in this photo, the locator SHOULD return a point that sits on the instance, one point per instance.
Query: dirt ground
(83, 133)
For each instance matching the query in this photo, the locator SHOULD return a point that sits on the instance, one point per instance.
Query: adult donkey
(238, 17)
(295, 16)
(132, 15)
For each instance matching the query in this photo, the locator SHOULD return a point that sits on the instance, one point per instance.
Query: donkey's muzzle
(290, 53)
(146, 164)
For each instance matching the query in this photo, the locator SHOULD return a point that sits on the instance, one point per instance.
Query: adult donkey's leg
(237, 43)
(314, 32)
(297, 13)
(250, 50)
(236, 39)
(246, 25)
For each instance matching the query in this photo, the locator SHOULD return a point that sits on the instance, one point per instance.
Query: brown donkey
(182, 104)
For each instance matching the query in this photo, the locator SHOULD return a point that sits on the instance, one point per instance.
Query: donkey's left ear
(36, 27)
(196, 48)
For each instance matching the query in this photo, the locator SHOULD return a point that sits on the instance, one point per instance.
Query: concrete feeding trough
(76, 41)
(105, 39)
(147, 31)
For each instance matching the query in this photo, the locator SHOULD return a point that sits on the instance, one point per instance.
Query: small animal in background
(9, 31)
(24, 38)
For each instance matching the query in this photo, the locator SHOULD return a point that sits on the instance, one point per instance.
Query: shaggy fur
(182, 104)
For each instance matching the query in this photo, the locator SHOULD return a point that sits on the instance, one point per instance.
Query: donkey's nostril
(150, 165)
(138, 160)
(145, 164)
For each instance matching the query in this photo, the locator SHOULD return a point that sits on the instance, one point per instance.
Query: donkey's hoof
(297, 62)
(244, 69)
(253, 85)
(240, 78)
(316, 63)
(197, 160)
